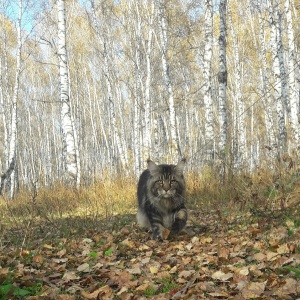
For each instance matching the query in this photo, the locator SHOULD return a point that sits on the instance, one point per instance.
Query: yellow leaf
(153, 270)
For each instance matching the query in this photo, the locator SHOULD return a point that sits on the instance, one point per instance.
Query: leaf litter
(242, 261)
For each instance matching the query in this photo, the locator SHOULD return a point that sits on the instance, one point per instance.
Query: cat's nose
(166, 187)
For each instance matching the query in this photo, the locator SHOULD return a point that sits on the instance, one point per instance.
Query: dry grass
(59, 211)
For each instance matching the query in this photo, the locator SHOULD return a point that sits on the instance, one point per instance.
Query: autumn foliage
(241, 242)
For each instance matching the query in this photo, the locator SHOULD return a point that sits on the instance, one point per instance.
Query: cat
(161, 193)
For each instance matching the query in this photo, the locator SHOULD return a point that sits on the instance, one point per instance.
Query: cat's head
(167, 180)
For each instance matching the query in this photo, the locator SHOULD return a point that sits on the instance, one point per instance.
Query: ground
(255, 255)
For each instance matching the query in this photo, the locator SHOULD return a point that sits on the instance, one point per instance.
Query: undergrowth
(56, 212)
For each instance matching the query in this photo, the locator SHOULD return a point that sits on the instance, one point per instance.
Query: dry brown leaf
(166, 234)
(62, 252)
(70, 276)
(135, 271)
(282, 249)
(38, 259)
(84, 268)
(102, 293)
(219, 275)
(186, 274)
(291, 287)
(65, 297)
(253, 289)
(142, 288)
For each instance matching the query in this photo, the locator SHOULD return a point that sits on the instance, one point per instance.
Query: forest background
(158, 79)
(90, 89)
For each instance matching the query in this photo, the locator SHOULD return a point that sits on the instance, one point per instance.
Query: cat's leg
(156, 226)
(180, 218)
(142, 219)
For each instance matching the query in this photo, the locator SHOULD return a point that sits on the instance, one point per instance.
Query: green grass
(294, 270)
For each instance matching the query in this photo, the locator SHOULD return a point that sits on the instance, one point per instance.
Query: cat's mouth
(166, 194)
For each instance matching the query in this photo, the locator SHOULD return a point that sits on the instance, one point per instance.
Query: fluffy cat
(161, 193)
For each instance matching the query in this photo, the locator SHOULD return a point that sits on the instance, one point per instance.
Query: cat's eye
(173, 181)
(161, 182)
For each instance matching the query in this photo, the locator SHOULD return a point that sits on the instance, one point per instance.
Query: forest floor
(248, 254)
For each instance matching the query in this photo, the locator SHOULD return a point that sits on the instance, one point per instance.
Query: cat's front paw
(158, 232)
(180, 221)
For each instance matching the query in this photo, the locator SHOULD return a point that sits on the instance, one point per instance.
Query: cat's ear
(152, 166)
(180, 166)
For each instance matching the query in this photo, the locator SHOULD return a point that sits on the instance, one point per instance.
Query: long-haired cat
(161, 193)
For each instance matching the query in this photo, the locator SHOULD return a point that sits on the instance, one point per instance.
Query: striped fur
(161, 193)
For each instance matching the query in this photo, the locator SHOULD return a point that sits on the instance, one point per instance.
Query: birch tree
(207, 97)
(268, 107)
(174, 142)
(222, 79)
(277, 86)
(293, 93)
(10, 174)
(69, 140)
(240, 105)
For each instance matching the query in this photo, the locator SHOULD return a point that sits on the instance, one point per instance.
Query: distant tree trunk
(10, 175)
(268, 108)
(277, 86)
(222, 78)
(166, 72)
(293, 94)
(240, 117)
(207, 97)
(147, 137)
(69, 141)
(103, 38)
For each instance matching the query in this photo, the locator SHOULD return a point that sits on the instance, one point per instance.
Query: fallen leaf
(70, 276)
(153, 270)
(135, 271)
(219, 275)
(186, 273)
(38, 259)
(102, 293)
(290, 287)
(84, 268)
(253, 289)
(282, 249)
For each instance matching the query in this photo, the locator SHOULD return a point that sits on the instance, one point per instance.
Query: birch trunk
(103, 38)
(207, 97)
(174, 143)
(147, 136)
(222, 79)
(278, 95)
(293, 94)
(10, 176)
(69, 144)
(268, 109)
(241, 129)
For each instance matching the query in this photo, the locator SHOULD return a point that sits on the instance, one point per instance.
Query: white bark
(278, 94)
(147, 136)
(222, 78)
(103, 38)
(10, 174)
(268, 108)
(69, 141)
(207, 97)
(241, 129)
(174, 143)
(293, 94)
